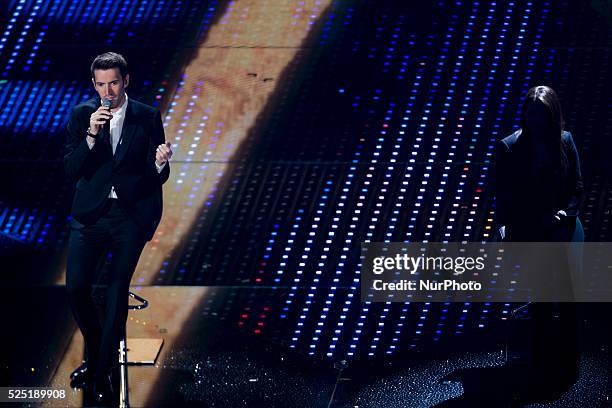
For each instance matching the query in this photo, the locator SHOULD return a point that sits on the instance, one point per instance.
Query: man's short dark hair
(110, 60)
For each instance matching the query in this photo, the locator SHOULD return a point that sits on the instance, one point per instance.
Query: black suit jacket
(131, 170)
(528, 196)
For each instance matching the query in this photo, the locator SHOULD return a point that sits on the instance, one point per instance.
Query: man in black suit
(117, 154)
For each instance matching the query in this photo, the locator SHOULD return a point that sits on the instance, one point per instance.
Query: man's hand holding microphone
(98, 119)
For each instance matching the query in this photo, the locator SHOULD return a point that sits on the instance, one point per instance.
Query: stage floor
(213, 356)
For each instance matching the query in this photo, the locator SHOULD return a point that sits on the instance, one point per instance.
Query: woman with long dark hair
(538, 175)
(539, 189)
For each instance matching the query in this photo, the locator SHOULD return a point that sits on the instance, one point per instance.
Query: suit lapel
(127, 133)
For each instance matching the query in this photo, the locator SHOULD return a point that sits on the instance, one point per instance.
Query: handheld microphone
(107, 103)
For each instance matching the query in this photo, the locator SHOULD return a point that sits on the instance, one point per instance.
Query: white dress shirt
(116, 127)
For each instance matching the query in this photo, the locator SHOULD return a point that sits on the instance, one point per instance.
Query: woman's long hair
(549, 138)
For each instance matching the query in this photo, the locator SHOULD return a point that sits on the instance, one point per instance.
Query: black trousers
(117, 232)
(555, 327)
